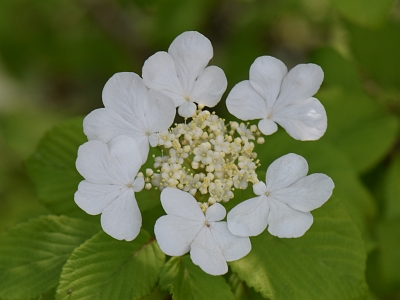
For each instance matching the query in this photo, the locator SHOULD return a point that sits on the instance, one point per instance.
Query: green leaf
(32, 254)
(338, 71)
(388, 253)
(382, 59)
(52, 168)
(358, 126)
(241, 290)
(187, 281)
(364, 12)
(392, 189)
(328, 262)
(105, 268)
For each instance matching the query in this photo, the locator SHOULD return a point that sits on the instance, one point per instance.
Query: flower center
(206, 159)
(187, 98)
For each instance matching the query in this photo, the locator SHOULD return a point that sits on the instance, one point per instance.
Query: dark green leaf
(364, 12)
(105, 268)
(377, 51)
(358, 126)
(328, 262)
(392, 189)
(32, 254)
(186, 281)
(52, 168)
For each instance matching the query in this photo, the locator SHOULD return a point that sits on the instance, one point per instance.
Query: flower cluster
(205, 159)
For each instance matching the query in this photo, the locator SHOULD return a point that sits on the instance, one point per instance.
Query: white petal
(302, 82)
(125, 93)
(122, 219)
(159, 112)
(153, 139)
(266, 75)
(305, 121)
(126, 158)
(181, 204)
(245, 103)
(94, 198)
(286, 222)
(206, 254)
(209, 87)
(259, 188)
(104, 124)
(233, 247)
(249, 218)
(267, 126)
(187, 109)
(306, 194)
(191, 52)
(144, 147)
(215, 212)
(94, 164)
(159, 73)
(175, 234)
(285, 171)
(138, 184)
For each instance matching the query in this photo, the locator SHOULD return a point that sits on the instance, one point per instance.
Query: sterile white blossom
(181, 73)
(131, 110)
(110, 182)
(275, 95)
(284, 202)
(185, 228)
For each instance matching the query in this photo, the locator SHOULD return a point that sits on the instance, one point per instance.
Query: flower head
(284, 202)
(131, 110)
(186, 228)
(110, 173)
(181, 73)
(276, 96)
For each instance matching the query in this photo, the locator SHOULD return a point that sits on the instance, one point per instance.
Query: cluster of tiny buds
(206, 159)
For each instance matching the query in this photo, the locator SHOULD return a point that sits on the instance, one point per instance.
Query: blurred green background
(56, 55)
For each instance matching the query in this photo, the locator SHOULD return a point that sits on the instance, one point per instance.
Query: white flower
(186, 228)
(276, 96)
(131, 110)
(181, 73)
(284, 203)
(110, 182)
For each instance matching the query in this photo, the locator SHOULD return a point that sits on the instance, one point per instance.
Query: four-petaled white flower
(181, 73)
(284, 203)
(131, 110)
(185, 228)
(110, 182)
(276, 96)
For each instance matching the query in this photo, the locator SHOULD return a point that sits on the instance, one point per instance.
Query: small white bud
(149, 172)
(211, 200)
(234, 125)
(260, 140)
(148, 186)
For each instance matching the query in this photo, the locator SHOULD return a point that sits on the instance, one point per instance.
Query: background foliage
(55, 57)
